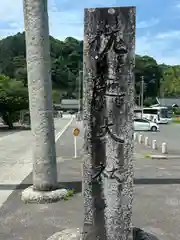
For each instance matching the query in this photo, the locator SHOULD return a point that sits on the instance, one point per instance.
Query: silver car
(145, 125)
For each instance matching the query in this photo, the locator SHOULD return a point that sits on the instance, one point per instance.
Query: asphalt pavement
(5, 131)
(34, 221)
(156, 205)
(65, 146)
(16, 158)
(169, 133)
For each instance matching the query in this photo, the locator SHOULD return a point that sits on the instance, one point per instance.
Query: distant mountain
(67, 58)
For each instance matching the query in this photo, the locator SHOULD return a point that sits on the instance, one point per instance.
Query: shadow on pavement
(14, 129)
(77, 185)
(56, 216)
(139, 234)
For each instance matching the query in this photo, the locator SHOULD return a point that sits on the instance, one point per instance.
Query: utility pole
(109, 57)
(80, 89)
(40, 102)
(79, 84)
(139, 100)
(142, 95)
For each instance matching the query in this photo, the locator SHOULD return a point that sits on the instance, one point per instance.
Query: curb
(162, 156)
(76, 158)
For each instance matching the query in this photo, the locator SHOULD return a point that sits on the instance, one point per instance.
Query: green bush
(70, 193)
(176, 111)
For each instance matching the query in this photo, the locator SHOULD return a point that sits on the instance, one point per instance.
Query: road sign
(76, 132)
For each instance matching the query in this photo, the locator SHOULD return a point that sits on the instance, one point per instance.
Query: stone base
(29, 195)
(75, 234)
(67, 234)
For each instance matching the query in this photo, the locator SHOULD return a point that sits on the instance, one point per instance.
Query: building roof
(169, 101)
(69, 102)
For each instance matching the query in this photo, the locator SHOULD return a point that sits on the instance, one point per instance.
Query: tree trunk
(109, 53)
(40, 94)
(7, 119)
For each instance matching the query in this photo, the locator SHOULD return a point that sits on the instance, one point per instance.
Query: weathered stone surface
(67, 234)
(109, 52)
(75, 234)
(40, 94)
(29, 195)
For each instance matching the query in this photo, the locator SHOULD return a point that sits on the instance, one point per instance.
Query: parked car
(71, 112)
(141, 124)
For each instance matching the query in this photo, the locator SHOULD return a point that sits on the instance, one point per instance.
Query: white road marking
(58, 135)
(21, 169)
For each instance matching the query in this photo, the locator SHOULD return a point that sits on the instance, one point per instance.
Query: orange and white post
(76, 132)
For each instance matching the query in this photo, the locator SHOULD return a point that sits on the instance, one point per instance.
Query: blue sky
(157, 34)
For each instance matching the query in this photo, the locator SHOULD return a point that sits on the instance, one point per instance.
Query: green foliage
(176, 121)
(56, 95)
(13, 95)
(70, 193)
(13, 98)
(66, 62)
(170, 81)
(146, 66)
(176, 111)
(66, 58)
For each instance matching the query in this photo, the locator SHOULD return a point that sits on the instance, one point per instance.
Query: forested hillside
(67, 59)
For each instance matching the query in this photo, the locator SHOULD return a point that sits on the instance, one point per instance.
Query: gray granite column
(109, 52)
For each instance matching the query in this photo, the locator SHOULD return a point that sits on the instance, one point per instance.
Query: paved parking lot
(4, 131)
(16, 157)
(169, 133)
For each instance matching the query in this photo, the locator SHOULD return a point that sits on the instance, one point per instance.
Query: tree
(147, 66)
(40, 95)
(21, 74)
(13, 98)
(170, 81)
(67, 60)
(108, 122)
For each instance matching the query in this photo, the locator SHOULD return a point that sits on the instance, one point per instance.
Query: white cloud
(159, 47)
(11, 11)
(175, 34)
(148, 23)
(70, 23)
(177, 5)
(63, 24)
